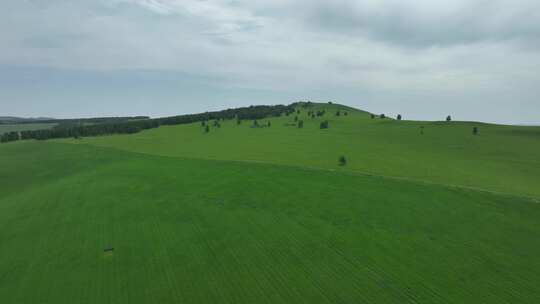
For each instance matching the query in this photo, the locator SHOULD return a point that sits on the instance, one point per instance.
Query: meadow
(267, 215)
(503, 159)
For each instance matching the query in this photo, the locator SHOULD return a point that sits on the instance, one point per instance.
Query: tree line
(74, 127)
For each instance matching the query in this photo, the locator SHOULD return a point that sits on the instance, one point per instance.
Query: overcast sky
(475, 59)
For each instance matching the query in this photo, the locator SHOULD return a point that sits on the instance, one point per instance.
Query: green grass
(500, 159)
(198, 231)
(244, 215)
(5, 128)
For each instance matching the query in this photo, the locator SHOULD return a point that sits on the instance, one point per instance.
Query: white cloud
(439, 47)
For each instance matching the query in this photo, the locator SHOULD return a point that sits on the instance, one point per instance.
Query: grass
(500, 159)
(5, 128)
(256, 217)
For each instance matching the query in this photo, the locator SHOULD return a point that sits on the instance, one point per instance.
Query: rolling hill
(246, 214)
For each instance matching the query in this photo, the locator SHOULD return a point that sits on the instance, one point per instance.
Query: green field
(266, 215)
(5, 128)
(501, 158)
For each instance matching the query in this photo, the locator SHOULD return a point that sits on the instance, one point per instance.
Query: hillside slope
(500, 159)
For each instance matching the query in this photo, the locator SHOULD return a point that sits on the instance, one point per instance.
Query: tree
(383, 116)
(296, 118)
(301, 124)
(372, 116)
(238, 121)
(324, 124)
(298, 112)
(448, 118)
(399, 117)
(345, 113)
(338, 113)
(312, 115)
(203, 123)
(268, 124)
(207, 129)
(255, 123)
(342, 160)
(475, 131)
(422, 130)
(329, 102)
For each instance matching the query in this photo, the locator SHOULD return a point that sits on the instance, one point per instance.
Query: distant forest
(128, 125)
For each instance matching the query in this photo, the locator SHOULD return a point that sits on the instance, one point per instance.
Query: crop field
(266, 215)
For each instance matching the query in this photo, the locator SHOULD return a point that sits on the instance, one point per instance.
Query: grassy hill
(266, 215)
(501, 158)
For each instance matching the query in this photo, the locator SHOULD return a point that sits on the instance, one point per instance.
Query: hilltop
(499, 159)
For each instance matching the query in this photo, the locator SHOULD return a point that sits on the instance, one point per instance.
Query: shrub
(206, 129)
(338, 113)
(296, 118)
(399, 117)
(342, 161)
(383, 116)
(324, 124)
(301, 124)
(475, 131)
(372, 116)
(268, 124)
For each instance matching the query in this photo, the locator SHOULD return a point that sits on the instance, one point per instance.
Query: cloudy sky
(474, 59)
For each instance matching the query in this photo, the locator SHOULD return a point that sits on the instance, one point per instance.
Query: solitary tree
(206, 129)
(301, 124)
(298, 112)
(475, 131)
(296, 118)
(383, 116)
(448, 118)
(203, 123)
(238, 121)
(324, 124)
(312, 115)
(372, 116)
(422, 130)
(255, 123)
(345, 113)
(338, 113)
(268, 124)
(342, 160)
(399, 117)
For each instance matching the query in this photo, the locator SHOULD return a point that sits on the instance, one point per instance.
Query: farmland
(267, 215)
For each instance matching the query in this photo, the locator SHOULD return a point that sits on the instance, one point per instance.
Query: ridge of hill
(499, 158)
